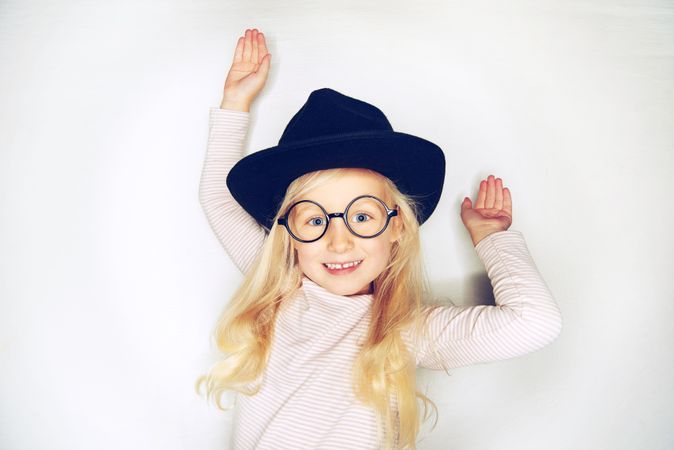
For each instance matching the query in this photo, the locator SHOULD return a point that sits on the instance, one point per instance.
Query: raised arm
(236, 230)
(241, 236)
(525, 318)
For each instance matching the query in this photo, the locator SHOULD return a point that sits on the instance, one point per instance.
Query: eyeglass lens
(366, 217)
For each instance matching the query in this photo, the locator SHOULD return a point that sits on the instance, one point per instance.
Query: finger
(481, 195)
(466, 203)
(253, 55)
(499, 194)
(261, 46)
(489, 201)
(507, 201)
(238, 53)
(247, 47)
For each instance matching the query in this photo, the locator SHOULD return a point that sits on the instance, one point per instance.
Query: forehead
(337, 192)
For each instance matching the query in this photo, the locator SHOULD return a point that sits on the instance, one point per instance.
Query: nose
(338, 236)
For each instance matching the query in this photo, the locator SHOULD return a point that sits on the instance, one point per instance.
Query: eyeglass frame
(283, 220)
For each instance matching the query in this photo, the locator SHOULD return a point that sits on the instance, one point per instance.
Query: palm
(244, 79)
(240, 70)
(492, 210)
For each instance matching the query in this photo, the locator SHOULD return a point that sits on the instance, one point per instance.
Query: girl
(323, 336)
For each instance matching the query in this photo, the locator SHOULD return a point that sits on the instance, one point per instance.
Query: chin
(358, 290)
(342, 288)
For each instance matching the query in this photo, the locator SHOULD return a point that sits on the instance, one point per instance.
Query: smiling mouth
(346, 265)
(346, 268)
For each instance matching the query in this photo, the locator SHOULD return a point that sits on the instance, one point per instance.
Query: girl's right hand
(248, 73)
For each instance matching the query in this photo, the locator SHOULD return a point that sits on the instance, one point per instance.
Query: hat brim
(259, 181)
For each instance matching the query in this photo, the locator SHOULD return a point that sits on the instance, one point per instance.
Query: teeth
(342, 266)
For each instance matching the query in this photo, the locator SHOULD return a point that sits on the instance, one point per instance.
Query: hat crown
(328, 114)
(334, 130)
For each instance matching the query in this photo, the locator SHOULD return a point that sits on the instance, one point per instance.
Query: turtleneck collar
(319, 293)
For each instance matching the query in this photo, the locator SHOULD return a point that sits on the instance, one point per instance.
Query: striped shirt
(306, 399)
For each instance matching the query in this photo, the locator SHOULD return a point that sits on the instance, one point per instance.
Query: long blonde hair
(384, 372)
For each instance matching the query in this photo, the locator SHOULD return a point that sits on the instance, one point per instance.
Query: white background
(111, 279)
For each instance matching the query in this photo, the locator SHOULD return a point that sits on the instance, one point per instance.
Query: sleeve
(238, 232)
(525, 318)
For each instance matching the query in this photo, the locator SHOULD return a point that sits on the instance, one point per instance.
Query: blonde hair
(384, 372)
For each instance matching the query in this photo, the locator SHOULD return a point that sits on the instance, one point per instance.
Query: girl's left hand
(492, 212)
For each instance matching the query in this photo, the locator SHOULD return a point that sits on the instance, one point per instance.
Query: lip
(345, 271)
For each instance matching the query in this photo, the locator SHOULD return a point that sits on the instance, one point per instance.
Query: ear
(396, 227)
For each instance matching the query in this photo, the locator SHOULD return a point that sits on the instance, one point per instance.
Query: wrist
(237, 106)
(476, 239)
(477, 236)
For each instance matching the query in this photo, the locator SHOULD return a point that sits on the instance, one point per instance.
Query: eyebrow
(302, 206)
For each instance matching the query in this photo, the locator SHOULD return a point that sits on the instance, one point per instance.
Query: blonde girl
(322, 339)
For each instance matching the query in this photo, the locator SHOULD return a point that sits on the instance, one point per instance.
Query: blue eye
(361, 215)
(315, 218)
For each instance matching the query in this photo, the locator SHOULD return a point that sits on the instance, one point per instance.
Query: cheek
(305, 257)
(381, 250)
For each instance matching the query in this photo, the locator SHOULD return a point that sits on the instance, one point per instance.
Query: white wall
(111, 279)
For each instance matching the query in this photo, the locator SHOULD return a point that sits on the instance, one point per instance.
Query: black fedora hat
(334, 130)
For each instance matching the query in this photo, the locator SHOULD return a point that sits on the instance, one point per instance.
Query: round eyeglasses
(365, 216)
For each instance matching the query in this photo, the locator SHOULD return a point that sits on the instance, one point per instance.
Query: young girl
(323, 337)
